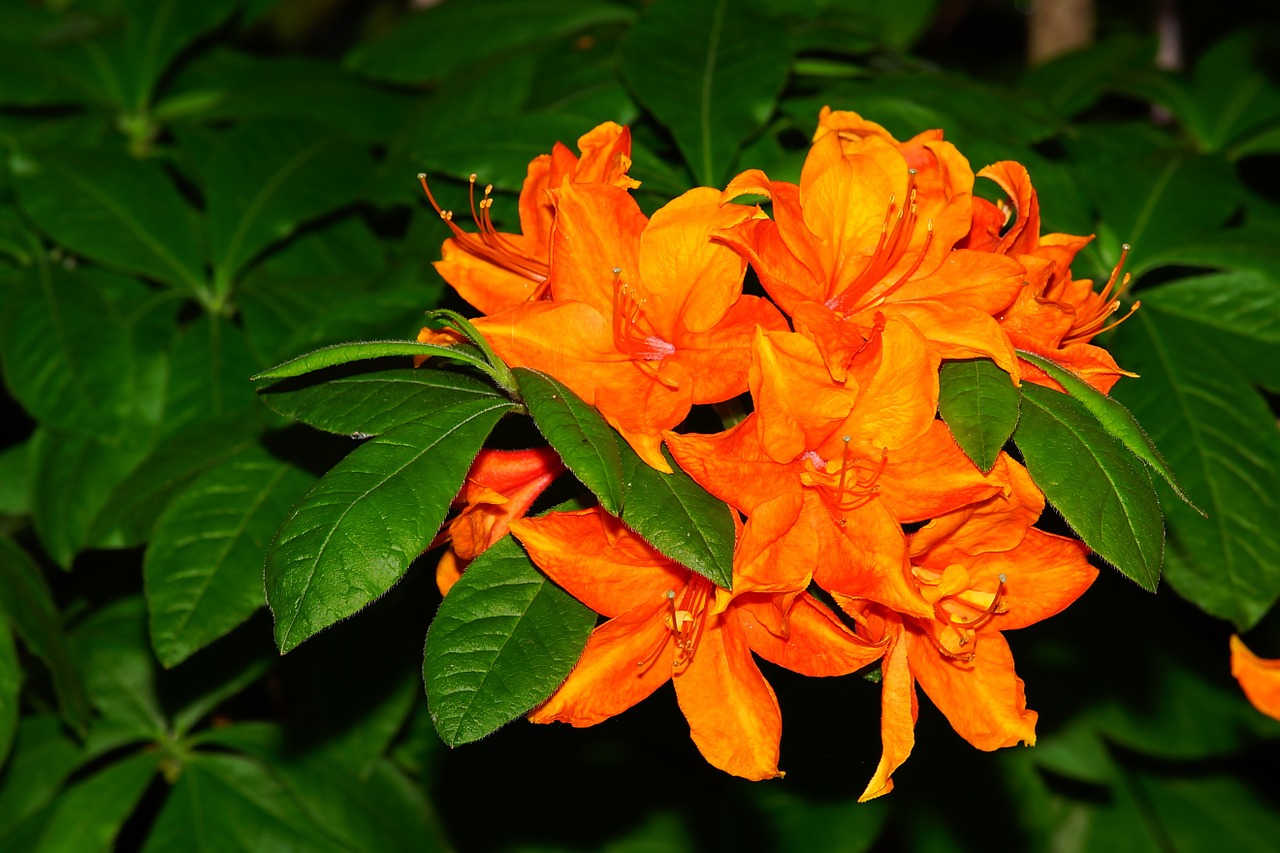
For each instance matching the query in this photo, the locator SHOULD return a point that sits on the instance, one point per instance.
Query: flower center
(895, 239)
(1091, 317)
(961, 608)
(847, 488)
(488, 243)
(629, 335)
(684, 621)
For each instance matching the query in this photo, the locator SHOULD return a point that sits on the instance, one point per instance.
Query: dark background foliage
(192, 192)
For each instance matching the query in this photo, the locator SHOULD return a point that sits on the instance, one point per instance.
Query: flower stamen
(1090, 321)
(628, 336)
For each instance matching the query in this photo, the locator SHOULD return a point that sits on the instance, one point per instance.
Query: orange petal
(448, 571)
(1024, 235)
(609, 678)
(606, 156)
(897, 381)
(732, 711)
(717, 360)
(932, 476)
(898, 712)
(1043, 575)
(798, 406)
(1258, 677)
(598, 229)
(599, 561)
(484, 284)
(982, 698)
(815, 641)
(864, 559)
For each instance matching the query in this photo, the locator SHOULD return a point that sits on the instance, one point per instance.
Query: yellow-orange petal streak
(898, 712)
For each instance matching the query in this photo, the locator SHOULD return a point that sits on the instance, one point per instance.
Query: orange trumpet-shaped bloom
(492, 269)
(1259, 677)
(1054, 315)
(984, 570)
(500, 486)
(871, 230)
(666, 623)
(646, 316)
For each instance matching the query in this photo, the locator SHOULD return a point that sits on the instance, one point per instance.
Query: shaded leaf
(43, 757)
(503, 640)
(156, 31)
(1102, 491)
(1212, 812)
(739, 58)
(437, 41)
(209, 374)
(678, 517)
(10, 686)
(34, 618)
(353, 536)
(89, 814)
(1221, 437)
(14, 468)
(980, 405)
(122, 212)
(368, 404)
(229, 802)
(111, 651)
(203, 569)
(587, 445)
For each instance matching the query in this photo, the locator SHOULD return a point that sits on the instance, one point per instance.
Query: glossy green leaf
(67, 353)
(265, 178)
(353, 536)
(89, 814)
(979, 402)
(332, 356)
(711, 72)
(203, 569)
(72, 478)
(1102, 491)
(437, 41)
(34, 618)
(111, 650)
(1221, 438)
(229, 802)
(1248, 248)
(43, 756)
(504, 639)
(136, 503)
(586, 443)
(1115, 419)
(368, 404)
(10, 686)
(678, 517)
(122, 212)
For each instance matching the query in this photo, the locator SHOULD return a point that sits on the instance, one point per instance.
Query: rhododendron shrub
(904, 377)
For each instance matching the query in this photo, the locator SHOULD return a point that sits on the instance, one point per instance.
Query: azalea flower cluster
(848, 490)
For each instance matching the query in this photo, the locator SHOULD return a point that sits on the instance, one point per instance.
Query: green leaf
(503, 640)
(353, 536)
(67, 354)
(1115, 419)
(1212, 812)
(1102, 491)
(437, 41)
(1248, 248)
(157, 31)
(111, 650)
(739, 60)
(15, 465)
(229, 802)
(265, 178)
(34, 617)
(336, 354)
(1072, 83)
(587, 445)
(131, 511)
(89, 814)
(368, 404)
(72, 478)
(203, 569)
(1221, 437)
(10, 686)
(119, 211)
(678, 517)
(209, 372)
(979, 402)
(1234, 96)
(43, 757)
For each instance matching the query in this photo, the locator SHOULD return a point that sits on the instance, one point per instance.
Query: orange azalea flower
(1054, 315)
(501, 486)
(983, 569)
(1258, 677)
(647, 316)
(834, 469)
(871, 229)
(491, 269)
(666, 623)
